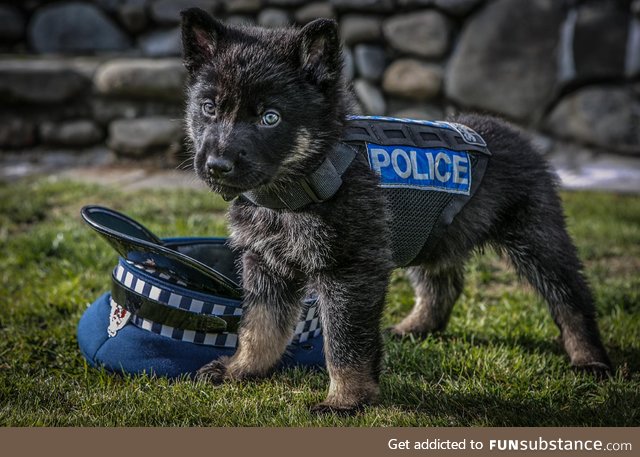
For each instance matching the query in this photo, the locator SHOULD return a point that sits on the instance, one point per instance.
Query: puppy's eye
(270, 118)
(208, 108)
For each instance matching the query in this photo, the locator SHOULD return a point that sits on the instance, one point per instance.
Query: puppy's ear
(200, 37)
(320, 51)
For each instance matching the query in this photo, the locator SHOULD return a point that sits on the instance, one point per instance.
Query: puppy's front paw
(214, 372)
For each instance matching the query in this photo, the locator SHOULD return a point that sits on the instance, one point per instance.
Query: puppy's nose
(218, 166)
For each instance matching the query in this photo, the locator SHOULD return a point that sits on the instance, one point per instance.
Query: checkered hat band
(170, 295)
(225, 340)
(134, 279)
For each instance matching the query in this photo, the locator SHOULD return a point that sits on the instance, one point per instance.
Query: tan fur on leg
(261, 344)
(436, 293)
(583, 354)
(420, 320)
(350, 389)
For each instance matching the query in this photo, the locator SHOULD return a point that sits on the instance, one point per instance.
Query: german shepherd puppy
(264, 108)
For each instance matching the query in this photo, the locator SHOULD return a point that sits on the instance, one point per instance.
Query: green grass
(496, 365)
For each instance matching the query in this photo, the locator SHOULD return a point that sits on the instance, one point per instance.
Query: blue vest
(428, 171)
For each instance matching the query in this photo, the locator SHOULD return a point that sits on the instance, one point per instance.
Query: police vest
(428, 171)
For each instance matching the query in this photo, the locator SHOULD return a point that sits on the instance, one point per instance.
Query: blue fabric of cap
(134, 350)
(163, 290)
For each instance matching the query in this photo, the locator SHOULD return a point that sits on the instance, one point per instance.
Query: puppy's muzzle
(219, 167)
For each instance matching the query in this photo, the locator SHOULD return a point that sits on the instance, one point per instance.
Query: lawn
(497, 364)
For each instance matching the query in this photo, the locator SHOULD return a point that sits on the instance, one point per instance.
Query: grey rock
(162, 43)
(505, 59)
(110, 6)
(75, 28)
(370, 97)
(414, 79)
(15, 165)
(142, 78)
(313, 11)
(600, 40)
(242, 6)
(168, 11)
(91, 157)
(86, 66)
(402, 107)
(16, 133)
(137, 137)
(419, 112)
(105, 109)
(566, 64)
(39, 113)
(37, 107)
(348, 68)
(424, 33)
(457, 7)
(605, 116)
(414, 3)
(40, 81)
(580, 168)
(451, 110)
(542, 143)
(273, 18)
(30, 5)
(382, 6)
(133, 15)
(12, 23)
(453, 7)
(135, 178)
(357, 28)
(370, 61)
(70, 133)
(286, 3)
(632, 68)
(240, 19)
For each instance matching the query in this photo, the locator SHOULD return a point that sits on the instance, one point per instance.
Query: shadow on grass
(625, 360)
(629, 358)
(468, 397)
(527, 343)
(500, 410)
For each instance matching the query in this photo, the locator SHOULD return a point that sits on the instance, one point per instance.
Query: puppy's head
(264, 105)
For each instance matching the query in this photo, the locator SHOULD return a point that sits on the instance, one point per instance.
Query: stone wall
(75, 73)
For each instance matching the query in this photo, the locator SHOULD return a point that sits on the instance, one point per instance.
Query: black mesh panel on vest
(413, 215)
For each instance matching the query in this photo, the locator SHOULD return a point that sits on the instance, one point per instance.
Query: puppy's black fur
(339, 249)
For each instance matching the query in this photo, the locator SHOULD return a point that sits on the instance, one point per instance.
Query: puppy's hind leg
(436, 293)
(542, 252)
